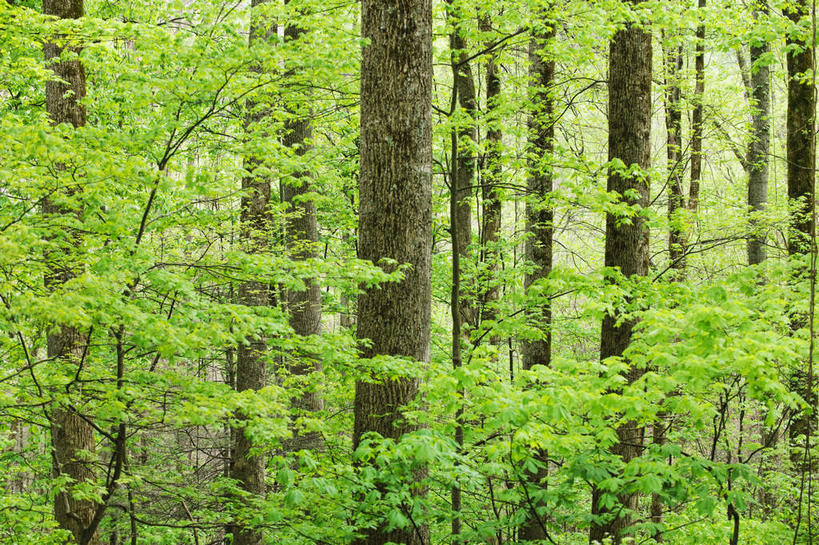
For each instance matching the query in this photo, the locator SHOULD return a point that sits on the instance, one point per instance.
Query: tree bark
(465, 169)
(490, 184)
(70, 431)
(759, 147)
(697, 114)
(539, 225)
(395, 193)
(251, 363)
(626, 244)
(673, 62)
(801, 159)
(304, 306)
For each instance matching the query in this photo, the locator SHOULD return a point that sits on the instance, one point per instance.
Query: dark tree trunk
(304, 306)
(395, 192)
(539, 226)
(697, 114)
(465, 169)
(801, 160)
(800, 142)
(251, 363)
(490, 184)
(759, 147)
(70, 431)
(460, 213)
(673, 62)
(626, 244)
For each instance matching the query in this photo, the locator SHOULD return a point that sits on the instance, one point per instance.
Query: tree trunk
(673, 62)
(801, 159)
(759, 147)
(460, 214)
(626, 244)
(490, 185)
(304, 306)
(539, 225)
(465, 169)
(70, 431)
(251, 364)
(696, 117)
(395, 193)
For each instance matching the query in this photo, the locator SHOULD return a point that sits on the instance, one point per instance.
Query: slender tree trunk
(626, 244)
(800, 141)
(539, 226)
(465, 169)
(490, 184)
(395, 193)
(801, 158)
(70, 431)
(304, 306)
(251, 364)
(460, 212)
(759, 147)
(673, 62)
(697, 115)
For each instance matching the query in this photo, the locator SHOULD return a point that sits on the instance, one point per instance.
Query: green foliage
(149, 227)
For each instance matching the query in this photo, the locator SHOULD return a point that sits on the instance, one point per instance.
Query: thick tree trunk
(759, 147)
(70, 431)
(697, 114)
(800, 141)
(626, 244)
(539, 226)
(395, 192)
(304, 306)
(801, 161)
(251, 364)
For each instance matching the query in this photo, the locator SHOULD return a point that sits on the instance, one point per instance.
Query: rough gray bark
(251, 362)
(304, 306)
(626, 244)
(539, 225)
(70, 431)
(395, 193)
(759, 147)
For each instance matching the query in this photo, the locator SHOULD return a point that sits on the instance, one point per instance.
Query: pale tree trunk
(70, 431)
(759, 147)
(251, 362)
(626, 244)
(304, 306)
(539, 226)
(758, 90)
(395, 192)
